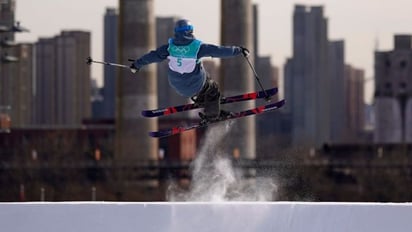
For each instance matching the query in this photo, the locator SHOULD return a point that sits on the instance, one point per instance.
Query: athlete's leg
(209, 98)
(212, 100)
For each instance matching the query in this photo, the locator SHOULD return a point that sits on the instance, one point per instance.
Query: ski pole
(267, 97)
(89, 61)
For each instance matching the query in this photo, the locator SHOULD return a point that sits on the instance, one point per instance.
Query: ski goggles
(184, 28)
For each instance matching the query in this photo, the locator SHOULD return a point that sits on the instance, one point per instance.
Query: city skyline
(364, 25)
(49, 102)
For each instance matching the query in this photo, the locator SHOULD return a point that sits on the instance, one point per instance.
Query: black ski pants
(209, 97)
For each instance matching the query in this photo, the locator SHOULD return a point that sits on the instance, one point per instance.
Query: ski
(255, 111)
(224, 100)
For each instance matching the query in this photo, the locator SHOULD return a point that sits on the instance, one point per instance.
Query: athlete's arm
(154, 56)
(210, 50)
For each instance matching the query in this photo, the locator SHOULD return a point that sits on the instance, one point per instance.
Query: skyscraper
(110, 55)
(268, 74)
(237, 29)
(22, 101)
(45, 93)
(267, 124)
(255, 16)
(15, 71)
(393, 92)
(354, 104)
(336, 65)
(62, 80)
(7, 11)
(136, 92)
(306, 78)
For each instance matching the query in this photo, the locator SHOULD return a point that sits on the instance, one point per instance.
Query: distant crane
(8, 59)
(7, 43)
(15, 28)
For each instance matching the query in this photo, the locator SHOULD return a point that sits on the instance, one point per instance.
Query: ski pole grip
(89, 60)
(245, 51)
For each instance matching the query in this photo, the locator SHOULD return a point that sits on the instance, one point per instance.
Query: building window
(388, 63)
(402, 85)
(403, 64)
(388, 86)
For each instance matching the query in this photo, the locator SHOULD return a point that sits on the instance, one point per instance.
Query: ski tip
(146, 113)
(158, 134)
(280, 103)
(151, 113)
(272, 91)
(275, 105)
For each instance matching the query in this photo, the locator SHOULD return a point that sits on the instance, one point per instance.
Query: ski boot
(205, 119)
(225, 114)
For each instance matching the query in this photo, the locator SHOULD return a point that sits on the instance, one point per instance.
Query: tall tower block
(7, 12)
(307, 83)
(393, 92)
(110, 54)
(135, 92)
(236, 75)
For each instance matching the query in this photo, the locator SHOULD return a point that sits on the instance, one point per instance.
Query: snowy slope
(231, 216)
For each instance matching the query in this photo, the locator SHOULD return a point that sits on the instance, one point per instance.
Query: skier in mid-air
(186, 73)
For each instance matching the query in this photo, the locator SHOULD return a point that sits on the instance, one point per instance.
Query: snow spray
(215, 179)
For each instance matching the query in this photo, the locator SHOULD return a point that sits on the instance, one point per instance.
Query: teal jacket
(187, 84)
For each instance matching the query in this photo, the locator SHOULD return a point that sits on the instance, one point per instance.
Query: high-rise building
(62, 80)
(237, 29)
(255, 17)
(306, 78)
(110, 55)
(267, 124)
(45, 94)
(7, 11)
(268, 74)
(354, 111)
(15, 71)
(336, 64)
(96, 99)
(136, 37)
(22, 102)
(393, 92)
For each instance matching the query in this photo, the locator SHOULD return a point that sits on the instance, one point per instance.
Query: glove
(245, 51)
(133, 68)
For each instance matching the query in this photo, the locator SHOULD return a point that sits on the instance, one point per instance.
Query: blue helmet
(184, 25)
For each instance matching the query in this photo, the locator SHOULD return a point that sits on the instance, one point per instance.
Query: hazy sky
(363, 24)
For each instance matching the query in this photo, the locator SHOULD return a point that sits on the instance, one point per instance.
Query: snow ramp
(227, 216)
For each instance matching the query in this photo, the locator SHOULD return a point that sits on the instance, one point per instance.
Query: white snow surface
(219, 199)
(202, 216)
